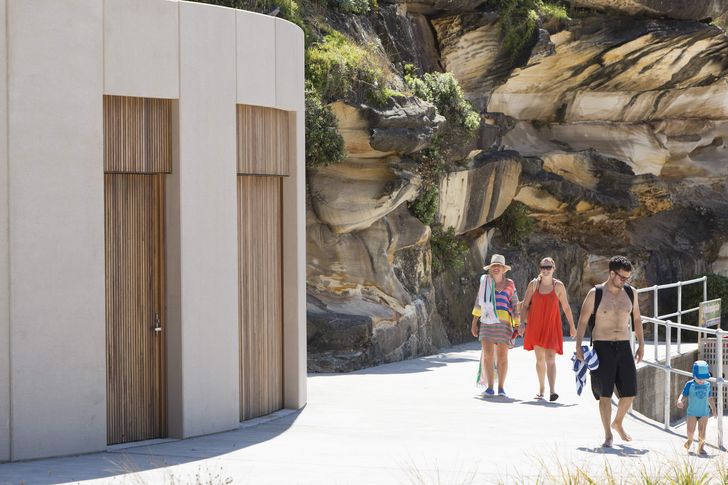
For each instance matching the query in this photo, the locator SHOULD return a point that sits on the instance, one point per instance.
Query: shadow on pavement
(548, 404)
(420, 364)
(618, 450)
(496, 399)
(117, 463)
(425, 364)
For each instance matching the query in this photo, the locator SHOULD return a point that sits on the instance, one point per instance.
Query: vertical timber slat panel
(264, 141)
(134, 294)
(137, 135)
(261, 298)
(160, 383)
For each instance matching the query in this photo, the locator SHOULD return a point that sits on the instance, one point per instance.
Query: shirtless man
(610, 338)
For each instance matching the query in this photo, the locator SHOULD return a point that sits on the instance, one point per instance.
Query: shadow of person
(547, 404)
(496, 399)
(618, 450)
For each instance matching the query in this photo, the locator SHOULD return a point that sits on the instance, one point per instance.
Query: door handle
(157, 324)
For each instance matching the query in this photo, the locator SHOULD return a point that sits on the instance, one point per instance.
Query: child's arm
(684, 394)
(711, 403)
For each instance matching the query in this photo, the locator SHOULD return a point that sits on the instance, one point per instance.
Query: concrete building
(152, 224)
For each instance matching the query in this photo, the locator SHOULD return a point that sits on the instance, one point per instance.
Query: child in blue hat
(698, 392)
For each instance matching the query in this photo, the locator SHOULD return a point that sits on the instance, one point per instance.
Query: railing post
(719, 381)
(656, 329)
(679, 315)
(668, 370)
(702, 335)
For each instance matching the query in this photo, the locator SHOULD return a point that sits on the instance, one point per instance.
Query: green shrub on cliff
(448, 251)
(354, 6)
(339, 69)
(514, 224)
(444, 91)
(324, 143)
(519, 21)
(424, 207)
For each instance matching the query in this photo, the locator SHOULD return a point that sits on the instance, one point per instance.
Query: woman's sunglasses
(546, 267)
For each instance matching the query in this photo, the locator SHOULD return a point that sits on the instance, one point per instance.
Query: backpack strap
(598, 289)
(630, 293)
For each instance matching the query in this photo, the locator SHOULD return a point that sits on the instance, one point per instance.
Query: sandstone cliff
(612, 131)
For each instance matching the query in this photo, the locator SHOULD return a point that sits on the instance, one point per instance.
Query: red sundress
(544, 323)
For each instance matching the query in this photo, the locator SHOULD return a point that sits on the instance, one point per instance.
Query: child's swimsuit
(698, 395)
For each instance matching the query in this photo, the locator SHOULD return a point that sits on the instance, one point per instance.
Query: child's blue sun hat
(701, 370)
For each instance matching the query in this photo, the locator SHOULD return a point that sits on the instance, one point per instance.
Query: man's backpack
(598, 299)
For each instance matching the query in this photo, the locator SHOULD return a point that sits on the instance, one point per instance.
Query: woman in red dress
(543, 323)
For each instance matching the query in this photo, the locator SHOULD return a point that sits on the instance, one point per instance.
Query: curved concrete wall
(52, 311)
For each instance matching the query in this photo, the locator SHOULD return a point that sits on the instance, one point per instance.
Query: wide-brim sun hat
(701, 370)
(497, 259)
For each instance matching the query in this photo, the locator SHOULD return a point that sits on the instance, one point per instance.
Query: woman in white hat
(495, 315)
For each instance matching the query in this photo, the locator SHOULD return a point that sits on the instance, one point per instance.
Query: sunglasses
(546, 267)
(623, 279)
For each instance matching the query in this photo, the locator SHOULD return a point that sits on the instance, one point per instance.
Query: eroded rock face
(406, 126)
(594, 74)
(354, 332)
(672, 148)
(353, 195)
(590, 94)
(354, 127)
(407, 38)
(362, 260)
(479, 194)
(470, 47)
(580, 181)
(676, 9)
(369, 294)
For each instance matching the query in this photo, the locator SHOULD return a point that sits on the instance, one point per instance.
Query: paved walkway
(414, 422)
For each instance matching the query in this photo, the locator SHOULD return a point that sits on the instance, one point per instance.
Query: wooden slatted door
(261, 295)
(135, 306)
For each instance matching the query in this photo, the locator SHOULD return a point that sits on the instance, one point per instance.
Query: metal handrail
(680, 312)
(657, 319)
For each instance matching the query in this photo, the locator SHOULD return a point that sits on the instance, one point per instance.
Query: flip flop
(553, 397)
(538, 397)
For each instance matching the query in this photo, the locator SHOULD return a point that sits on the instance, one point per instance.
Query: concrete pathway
(414, 422)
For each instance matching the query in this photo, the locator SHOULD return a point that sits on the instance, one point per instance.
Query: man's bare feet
(687, 445)
(608, 442)
(620, 430)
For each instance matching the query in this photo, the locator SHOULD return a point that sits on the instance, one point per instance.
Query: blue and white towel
(590, 362)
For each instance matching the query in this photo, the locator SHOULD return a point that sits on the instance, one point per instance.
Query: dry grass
(686, 470)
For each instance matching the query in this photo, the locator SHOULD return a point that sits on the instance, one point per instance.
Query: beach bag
(488, 316)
